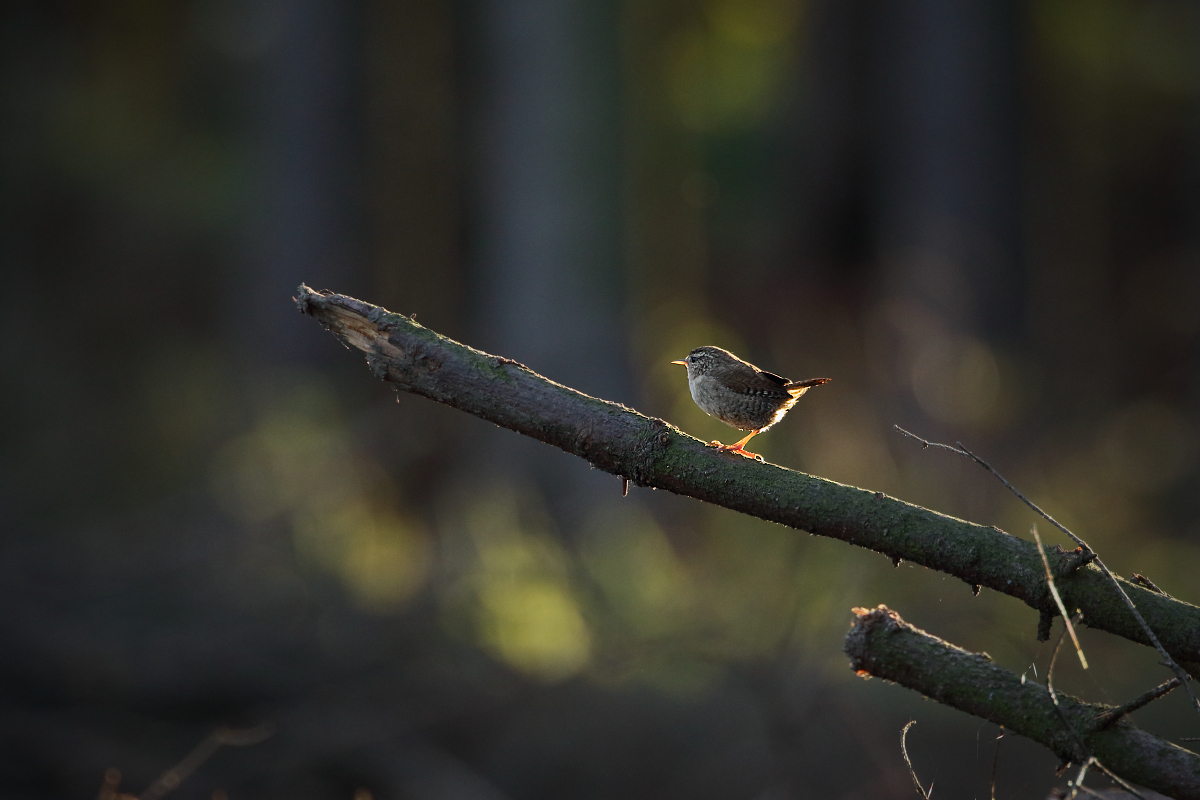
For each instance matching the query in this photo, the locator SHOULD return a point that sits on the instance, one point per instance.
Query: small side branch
(221, 737)
(1112, 715)
(904, 750)
(883, 645)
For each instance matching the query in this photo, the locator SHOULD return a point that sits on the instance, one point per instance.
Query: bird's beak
(684, 363)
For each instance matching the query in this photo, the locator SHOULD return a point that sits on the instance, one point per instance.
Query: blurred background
(981, 220)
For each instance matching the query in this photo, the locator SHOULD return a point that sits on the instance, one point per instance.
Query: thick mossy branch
(651, 452)
(882, 645)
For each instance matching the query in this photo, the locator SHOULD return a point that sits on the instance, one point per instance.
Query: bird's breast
(746, 410)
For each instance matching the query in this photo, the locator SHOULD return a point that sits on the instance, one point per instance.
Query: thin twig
(963, 451)
(228, 737)
(1077, 784)
(1083, 748)
(1169, 662)
(1075, 734)
(907, 760)
(1119, 781)
(1062, 609)
(996, 762)
(1107, 718)
(1162, 651)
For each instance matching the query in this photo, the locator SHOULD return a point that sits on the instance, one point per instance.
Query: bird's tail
(798, 388)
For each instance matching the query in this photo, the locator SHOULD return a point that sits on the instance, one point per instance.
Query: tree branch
(883, 645)
(651, 452)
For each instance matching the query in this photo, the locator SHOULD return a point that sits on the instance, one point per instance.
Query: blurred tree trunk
(413, 183)
(304, 199)
(949, 198)
(830, 168)
(548, 240)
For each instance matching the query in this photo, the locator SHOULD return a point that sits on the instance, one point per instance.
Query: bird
(740, 394)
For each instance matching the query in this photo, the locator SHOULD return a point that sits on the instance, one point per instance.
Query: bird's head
(703, 360)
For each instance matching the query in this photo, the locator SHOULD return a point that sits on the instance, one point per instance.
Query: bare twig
(1077, 784)
(1088, 792)
(1083, 748)
(904, 749)
(1119, 781)
(963, 451)
(228, 737)
(996, 762)
(1057, 599)
(1074, 732)
(1112, 715)
(1180, 673)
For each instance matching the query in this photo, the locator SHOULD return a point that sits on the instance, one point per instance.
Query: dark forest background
(980, 219)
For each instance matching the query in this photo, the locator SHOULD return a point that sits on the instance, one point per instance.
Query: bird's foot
(735, 448)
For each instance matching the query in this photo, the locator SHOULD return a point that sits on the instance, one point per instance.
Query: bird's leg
(739, 447)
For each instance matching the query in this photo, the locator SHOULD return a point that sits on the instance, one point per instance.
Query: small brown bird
(740, 394)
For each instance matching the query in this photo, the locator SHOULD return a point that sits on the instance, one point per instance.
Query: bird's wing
(771, 376)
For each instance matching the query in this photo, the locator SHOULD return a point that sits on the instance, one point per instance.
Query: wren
(740, 394)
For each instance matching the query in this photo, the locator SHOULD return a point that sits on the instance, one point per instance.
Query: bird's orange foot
(735, 448)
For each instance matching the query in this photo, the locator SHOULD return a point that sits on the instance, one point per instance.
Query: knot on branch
(1069, 562)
